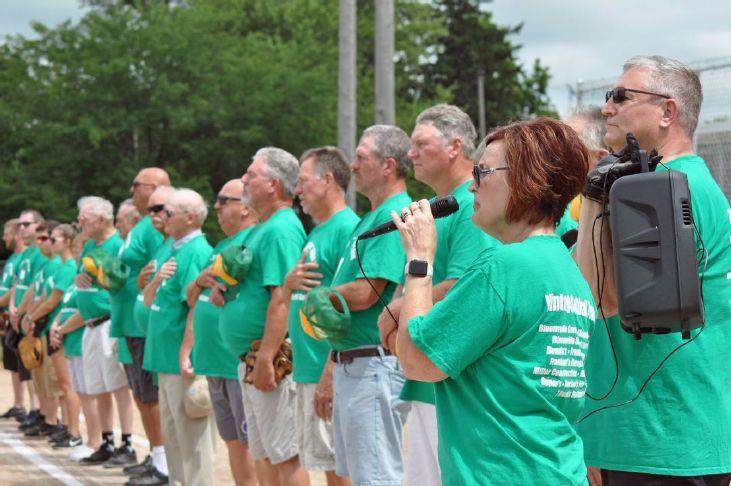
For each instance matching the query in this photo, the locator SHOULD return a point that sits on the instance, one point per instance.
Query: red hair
(548, 166)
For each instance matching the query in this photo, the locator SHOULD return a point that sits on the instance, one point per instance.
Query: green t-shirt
(93, 302)
(138, 249)
(275, 245)
(141, 312)
(512, 336)
(169, 310)
(39, 282)
(681, 423)
(566, 223)
(459, 242)
(9, 273)
(382, 257)
(60, 280)
(210, 356)
(30, 262)
(324, 244)
(72, 340)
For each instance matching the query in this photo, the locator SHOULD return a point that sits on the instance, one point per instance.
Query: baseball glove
(30, 350)
(282, 360)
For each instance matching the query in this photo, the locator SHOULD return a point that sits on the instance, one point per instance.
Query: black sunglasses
(619, 94)
(222, 200)
(156, 208)
(25, 224)
(478, 172)
(54, 239)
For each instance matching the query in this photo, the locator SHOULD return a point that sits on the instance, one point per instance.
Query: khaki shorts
(270, 419)
(314, 435)
(44, 377)
(102, 371)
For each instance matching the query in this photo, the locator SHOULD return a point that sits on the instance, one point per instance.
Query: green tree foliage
(197, 87)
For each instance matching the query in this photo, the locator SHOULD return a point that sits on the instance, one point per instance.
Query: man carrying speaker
(442, 145)
(368, 414)
(676, 428)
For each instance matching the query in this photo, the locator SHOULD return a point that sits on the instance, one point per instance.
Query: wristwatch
(419, 268)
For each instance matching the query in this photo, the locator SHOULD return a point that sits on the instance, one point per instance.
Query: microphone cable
(380, 298)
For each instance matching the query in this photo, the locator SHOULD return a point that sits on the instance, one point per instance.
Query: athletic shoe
(80, 452)
(35, 431)
(100, 456)
(13, 412)
(69, 441)
(60, 434)
(124, 456)
(33, 419)
(140, 468)
(152, 478)
(49, 430)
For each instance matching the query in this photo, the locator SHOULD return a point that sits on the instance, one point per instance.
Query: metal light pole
(347, 84)
(384, 72)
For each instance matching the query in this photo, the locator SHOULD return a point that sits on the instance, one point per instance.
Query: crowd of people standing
(492, 334)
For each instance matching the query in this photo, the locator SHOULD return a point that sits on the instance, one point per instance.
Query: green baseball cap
(320, 319)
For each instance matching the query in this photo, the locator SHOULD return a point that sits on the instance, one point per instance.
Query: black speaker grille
(687, 214)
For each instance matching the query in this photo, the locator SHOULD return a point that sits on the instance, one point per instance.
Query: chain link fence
(713, 136)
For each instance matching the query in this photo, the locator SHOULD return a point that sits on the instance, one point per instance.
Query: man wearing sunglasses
(203, 344)
(140, 243)
(442, 145)
(678, 429)
(189, 442)
(30, 262)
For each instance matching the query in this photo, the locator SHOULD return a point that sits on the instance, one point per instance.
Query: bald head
(145, 183)
(231, 212)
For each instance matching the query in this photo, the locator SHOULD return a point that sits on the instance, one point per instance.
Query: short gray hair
(391, 142)
(675, 79)
(189, 201)
(280, 165)
(330, 159)
(97, 206)
(595, 126)
(132, 211)
(451, 123)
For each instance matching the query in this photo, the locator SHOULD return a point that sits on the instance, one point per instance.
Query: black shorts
(622, 478)
(140, 381)
(12, 362)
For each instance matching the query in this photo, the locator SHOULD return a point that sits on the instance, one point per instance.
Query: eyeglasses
(25, 224)
(155, 208)
(222, 200)
(54, 239)
(478, 172)
(619, 94)
(136, 184)
(42, 238)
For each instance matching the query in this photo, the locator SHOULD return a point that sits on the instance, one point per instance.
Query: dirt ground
(31, 461)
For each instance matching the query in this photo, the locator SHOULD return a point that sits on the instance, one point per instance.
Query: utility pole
(481, 104)
(347, 84)
(384, 49)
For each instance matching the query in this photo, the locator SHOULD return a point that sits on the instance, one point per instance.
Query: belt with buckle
(97, 321)
(346, 357)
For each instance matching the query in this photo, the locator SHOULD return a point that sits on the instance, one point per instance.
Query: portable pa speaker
(655, 265)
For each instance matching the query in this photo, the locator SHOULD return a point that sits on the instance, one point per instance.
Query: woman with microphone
(506, 346)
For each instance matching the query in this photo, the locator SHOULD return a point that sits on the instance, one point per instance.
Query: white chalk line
(32, 456)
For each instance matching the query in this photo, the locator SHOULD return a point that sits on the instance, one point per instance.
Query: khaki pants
(44, 377)
(189, 443)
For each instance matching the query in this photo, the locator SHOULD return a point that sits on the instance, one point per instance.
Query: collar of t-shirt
(185, 239)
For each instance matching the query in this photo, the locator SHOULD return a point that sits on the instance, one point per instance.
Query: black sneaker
(124, 456)
(100, 456)
(69, 441)
(140, 468)
(21, 417)
(41, 430)
(49, 429)
(152, 478)
(34, 418)
(13, 412)
(60, 434)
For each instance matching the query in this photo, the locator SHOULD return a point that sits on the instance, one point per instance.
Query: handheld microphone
(440, 207)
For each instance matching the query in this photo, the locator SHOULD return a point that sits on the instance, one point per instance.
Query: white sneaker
(80, 452)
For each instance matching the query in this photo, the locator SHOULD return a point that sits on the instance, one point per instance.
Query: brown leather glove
(30, 350)
(282, 360)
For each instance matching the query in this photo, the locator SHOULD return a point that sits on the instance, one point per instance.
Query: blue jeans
(368, 419)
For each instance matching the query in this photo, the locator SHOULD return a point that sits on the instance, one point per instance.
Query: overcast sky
(585, 39)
